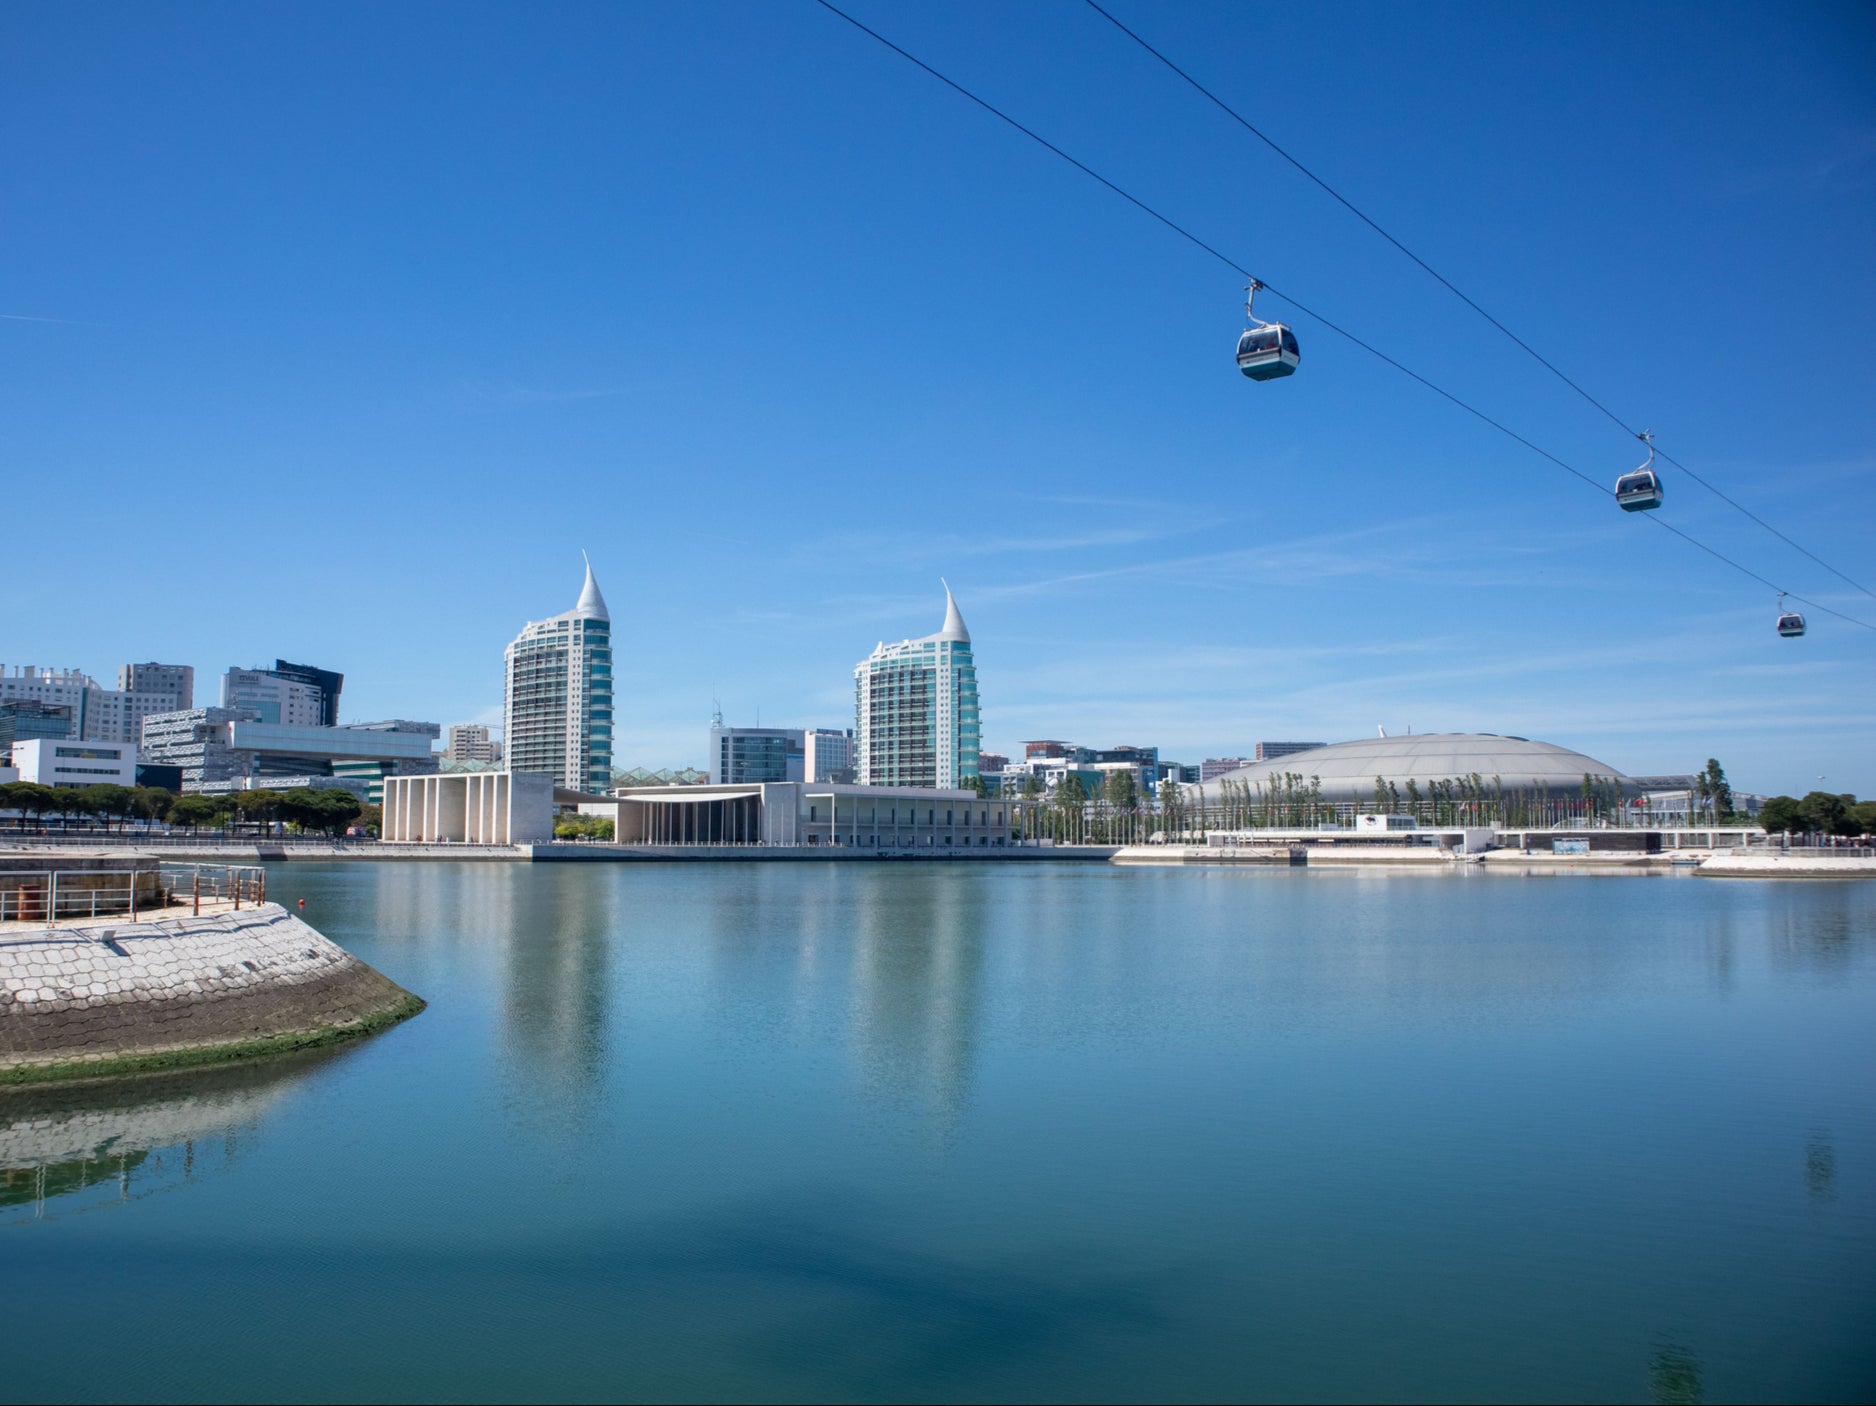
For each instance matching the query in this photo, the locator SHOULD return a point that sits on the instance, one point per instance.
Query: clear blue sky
(335, 332)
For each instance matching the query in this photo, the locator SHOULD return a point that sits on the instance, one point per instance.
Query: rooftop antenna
(716, 711)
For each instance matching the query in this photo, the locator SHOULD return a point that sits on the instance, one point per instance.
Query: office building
(52, 761)
(196, 740)
(274, 698)
(557, 706)
(916, 709)
(153, 688)
(827, 755)
(1270, 751)
(741, 755)
(100, 714)
(470, 742)
(23, 719)
(1217, 766)
(326, 683)
(227, 748)
(990, 763)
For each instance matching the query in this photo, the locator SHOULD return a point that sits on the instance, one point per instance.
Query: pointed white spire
(592, 604)
(954, 622)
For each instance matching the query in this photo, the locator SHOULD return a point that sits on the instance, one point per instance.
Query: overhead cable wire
(1450, 287)
(1334, 327)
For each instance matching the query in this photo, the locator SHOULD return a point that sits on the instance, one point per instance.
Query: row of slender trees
(302, 808)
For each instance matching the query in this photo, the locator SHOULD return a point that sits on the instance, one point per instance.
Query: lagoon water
(939, 1131)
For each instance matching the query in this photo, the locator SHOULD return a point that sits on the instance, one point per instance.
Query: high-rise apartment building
(274, 698)
(470, 742)
(1214, 767)
(558, 700)
(915, 709)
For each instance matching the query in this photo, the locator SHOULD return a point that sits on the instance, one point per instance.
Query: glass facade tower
(558, 701)
(915, 710)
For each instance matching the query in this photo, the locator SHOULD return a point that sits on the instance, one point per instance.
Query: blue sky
(335, 332)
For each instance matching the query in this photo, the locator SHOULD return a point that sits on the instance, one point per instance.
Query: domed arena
(1347, 770)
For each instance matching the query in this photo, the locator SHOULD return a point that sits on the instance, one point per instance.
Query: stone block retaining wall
(113, 997)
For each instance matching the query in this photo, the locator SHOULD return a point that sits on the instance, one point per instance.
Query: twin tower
(915, 702)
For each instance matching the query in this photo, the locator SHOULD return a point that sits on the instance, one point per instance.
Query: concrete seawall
(94, 999)
(1774, 865)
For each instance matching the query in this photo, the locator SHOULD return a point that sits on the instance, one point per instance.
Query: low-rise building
(69, 762)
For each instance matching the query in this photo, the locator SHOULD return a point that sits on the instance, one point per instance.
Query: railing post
(195, 891)
(133, 895)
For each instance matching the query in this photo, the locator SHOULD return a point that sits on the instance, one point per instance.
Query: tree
(1122, 792)
(1827, 814)
(26, 797)
(1863, 818)
(151, 803)
(1781, 814)
(195, 811)
(975, 785)
(1718, 793)
(1031, 786)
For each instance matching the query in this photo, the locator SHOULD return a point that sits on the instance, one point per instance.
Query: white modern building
(479, 807)
(916, 711)
(827, 754)
(271, 698)
(470, 742)
(557, 709)
(54, 762)
(898, 819)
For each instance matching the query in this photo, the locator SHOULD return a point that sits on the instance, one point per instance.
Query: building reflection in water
(917, 987)
(120, 1141)
(884, 961)
(554, 1013)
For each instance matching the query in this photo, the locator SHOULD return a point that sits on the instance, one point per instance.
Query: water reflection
(108, 1143)
(556, 1015)
(918, 975)
(1820, 1167)
(1674, 1375)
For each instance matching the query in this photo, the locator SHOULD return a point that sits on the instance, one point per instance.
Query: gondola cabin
(1639, 491)
(1790, 624)
(1268, 351)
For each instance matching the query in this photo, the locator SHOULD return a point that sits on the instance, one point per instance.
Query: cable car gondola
(1790, 622)
(1266, 350)
(1640, 491)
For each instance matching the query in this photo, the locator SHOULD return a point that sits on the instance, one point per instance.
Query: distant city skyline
(331, 352)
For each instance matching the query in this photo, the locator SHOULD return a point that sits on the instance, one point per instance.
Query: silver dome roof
(1347, 769)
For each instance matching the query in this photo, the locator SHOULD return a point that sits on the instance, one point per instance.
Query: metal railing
(1845, 851)
(51, 895)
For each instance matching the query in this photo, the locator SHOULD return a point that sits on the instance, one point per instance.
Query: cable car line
(1335, 327)
(1447, 283)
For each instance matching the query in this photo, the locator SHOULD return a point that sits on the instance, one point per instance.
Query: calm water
(942, 1131)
